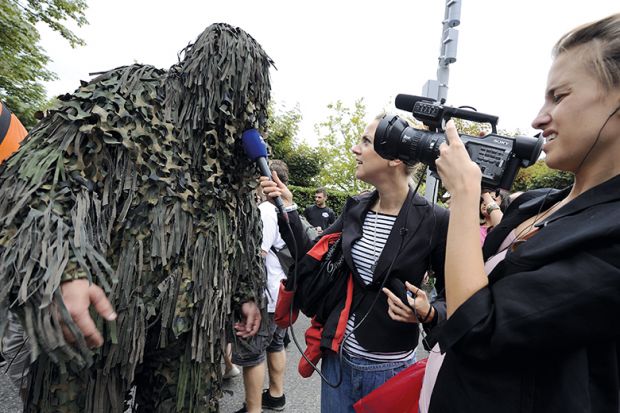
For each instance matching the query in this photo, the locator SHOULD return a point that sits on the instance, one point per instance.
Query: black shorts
(251, 351)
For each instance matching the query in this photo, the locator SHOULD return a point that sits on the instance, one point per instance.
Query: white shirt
(271, 237)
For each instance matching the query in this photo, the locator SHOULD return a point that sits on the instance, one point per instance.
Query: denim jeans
(359, 377)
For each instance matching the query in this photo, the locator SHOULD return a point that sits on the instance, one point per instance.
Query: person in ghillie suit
(136, 188)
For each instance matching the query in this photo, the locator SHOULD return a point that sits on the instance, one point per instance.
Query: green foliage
(338, 134)
(304, 197)
(304, 162)
(541, 176)
(23, 61)
(466, 127)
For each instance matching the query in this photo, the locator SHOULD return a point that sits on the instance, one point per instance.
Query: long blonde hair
(603, 40)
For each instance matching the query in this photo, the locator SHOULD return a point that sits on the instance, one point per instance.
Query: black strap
(5, 122)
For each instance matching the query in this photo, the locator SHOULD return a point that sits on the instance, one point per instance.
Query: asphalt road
(302, 395)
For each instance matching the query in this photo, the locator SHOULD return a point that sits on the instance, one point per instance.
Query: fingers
(416, 291)
(421, 299)
(452, 135)
(252, 316)
(399, 312)
(391, 295)
(101, 303)
(88, 328)
(78, 295)
(253, 323)
(276, 178)
(396, 302)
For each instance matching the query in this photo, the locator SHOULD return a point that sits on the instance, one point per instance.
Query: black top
(543, 336)
(422, 229)
(320, 217)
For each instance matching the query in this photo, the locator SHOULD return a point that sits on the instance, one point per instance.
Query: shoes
(273, 403)
(233, 372)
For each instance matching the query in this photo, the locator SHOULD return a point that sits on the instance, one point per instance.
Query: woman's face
(576, 107)
(369, 163)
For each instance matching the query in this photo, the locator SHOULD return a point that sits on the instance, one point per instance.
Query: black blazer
(544, 335)
(416, 243)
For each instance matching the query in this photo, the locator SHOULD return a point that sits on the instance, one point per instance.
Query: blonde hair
(603, 40)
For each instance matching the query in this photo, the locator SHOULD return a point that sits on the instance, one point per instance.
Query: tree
(338, 134)
(540, 175)
(23, 61)
(303, 161)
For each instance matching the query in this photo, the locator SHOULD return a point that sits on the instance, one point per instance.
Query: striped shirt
(365, 253)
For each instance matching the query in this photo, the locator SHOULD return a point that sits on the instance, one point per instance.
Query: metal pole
(438, 89)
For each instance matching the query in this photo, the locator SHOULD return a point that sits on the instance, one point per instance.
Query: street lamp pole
(438, 89)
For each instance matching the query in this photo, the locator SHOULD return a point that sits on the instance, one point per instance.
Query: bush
(540, 176)
(304, 197)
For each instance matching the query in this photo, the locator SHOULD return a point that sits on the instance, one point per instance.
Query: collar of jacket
(413, 212)
(542, 199)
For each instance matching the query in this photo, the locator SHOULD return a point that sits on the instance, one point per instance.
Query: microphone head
(253, 144)
(406, 102)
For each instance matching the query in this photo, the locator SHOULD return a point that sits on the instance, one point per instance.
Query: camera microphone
(432, 113)
(255, 148)
(407, 102)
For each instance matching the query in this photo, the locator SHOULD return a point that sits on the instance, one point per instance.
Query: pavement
(302, 395)
(9, 398)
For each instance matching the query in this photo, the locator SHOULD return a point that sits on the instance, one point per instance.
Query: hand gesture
(399, 311)
(457, 171)
(78, 296)
(275, 188)
(251, 320)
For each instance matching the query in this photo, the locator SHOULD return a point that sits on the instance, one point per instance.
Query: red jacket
(286, 315)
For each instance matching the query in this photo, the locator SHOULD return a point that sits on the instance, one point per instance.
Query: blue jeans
(359, 377)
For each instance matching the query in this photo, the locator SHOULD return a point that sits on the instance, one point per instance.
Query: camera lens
(395, 139)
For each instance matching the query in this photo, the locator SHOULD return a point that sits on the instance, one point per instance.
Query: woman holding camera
(392, 235)
(541, 332)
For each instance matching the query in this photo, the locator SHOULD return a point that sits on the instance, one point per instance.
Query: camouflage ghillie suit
(138, 181)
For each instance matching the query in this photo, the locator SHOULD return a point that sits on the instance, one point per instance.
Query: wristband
(290, 208)
(426, 317)
(77, 275)
(492, 207)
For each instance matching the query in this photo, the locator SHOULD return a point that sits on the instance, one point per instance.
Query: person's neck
(321, 206)
(391, 198)
(586, 179)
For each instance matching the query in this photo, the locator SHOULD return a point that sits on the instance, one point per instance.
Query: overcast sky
(344, 50)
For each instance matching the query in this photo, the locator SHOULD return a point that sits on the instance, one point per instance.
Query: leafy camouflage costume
(138, 181)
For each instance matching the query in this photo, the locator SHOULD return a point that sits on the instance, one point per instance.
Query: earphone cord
(596, 140)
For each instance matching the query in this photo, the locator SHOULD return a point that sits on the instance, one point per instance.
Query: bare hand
(399, 311)
(251, 320)
(457, 171)
(275, 188)
(78, 295)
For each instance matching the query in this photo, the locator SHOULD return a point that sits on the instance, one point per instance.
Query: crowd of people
(525, 284)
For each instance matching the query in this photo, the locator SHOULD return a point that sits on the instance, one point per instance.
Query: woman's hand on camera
(399, 311)
(275, 188)
(457, 171)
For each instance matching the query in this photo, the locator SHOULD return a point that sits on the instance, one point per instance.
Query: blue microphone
(255, 148)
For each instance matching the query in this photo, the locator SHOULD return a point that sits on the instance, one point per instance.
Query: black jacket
(543, 335)
(421, 228)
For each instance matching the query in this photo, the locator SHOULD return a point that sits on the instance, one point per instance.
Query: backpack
(284, 254)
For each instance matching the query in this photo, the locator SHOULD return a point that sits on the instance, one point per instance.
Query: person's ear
(395, 162)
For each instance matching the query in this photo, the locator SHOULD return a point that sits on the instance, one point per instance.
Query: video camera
(499, 157)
